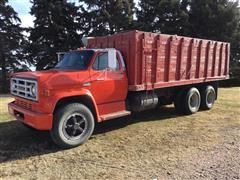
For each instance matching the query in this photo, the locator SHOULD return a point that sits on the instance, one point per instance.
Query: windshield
(78, 60)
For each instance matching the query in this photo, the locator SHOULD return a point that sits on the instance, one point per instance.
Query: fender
(76, 93)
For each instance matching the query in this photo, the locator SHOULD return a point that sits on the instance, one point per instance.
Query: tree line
(59, 26)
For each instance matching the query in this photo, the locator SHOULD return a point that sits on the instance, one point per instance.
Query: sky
(22, 7)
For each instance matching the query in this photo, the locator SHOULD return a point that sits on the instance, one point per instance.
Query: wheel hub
(194, 102)
(210, 98)
(74, 126)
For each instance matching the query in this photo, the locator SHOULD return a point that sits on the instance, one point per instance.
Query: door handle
(100, 79)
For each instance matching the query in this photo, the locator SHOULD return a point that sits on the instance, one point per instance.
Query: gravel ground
(156, 144)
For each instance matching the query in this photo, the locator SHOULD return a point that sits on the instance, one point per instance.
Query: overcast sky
(22, 7)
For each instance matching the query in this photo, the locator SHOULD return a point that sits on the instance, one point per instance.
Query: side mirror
(112, 59)
(60, 55)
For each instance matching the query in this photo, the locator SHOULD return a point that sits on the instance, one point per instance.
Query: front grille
(23, 104)
(22, 88)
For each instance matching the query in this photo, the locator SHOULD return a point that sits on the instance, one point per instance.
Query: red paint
(159, 60)
(41, 121)
(152, 61)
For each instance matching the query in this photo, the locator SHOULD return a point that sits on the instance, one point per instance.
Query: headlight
(33, 90)
(12, 86)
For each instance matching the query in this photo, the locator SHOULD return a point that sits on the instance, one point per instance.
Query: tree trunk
(4, 74)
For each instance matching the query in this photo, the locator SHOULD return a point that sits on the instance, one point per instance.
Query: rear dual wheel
(208, 94)
(188, 101)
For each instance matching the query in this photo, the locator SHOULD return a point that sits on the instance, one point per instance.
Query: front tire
(73, 125)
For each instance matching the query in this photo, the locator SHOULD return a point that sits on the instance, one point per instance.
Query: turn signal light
(46, 92)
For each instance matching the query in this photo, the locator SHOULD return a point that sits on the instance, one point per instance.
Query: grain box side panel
(141, 58)
(133, 55)
(185, 56)
(173, 52)
(162, 58)
(202, 58)
(194, 60)
(149, 58)
(217, 60)
(159, 60)
(156, 56)
(128, 49)
(224, 55)
(198, 65)
(226, 69)
(214, 59)
(210, 59)
(179, 59)
(220, 59)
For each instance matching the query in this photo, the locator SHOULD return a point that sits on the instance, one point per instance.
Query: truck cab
(86, 86)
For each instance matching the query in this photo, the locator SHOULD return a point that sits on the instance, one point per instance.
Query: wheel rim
(210, 98)
(194, 102)
(74, 126)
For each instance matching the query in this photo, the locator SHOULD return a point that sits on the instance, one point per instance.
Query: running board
(115, 115)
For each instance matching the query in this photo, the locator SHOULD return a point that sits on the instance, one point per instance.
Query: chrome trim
(86, 84)
(22, 87)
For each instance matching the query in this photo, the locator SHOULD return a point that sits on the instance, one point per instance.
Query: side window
(101, 62)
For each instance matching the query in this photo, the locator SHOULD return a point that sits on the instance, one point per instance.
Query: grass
(4, 100)
(156, 144)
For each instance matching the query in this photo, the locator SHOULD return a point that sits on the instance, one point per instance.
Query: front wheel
(73, 125)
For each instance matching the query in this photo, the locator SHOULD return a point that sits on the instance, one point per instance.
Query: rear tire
(208, 95)
(188, 101)
(73, 125)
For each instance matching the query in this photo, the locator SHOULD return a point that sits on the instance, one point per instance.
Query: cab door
(108, 78)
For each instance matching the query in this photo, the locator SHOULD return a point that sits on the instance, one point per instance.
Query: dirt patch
(156, 144)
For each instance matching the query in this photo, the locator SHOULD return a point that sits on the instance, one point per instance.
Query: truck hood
(55, 78)
(36, 74)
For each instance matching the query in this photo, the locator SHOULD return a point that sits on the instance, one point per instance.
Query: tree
(210, 19)
(215, 19)
(11, 40)
(235, 54)
(218, 20)
(56, 29)
(108, 16)
(165, 16)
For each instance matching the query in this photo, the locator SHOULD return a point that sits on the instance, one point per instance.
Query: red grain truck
(116, 75)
